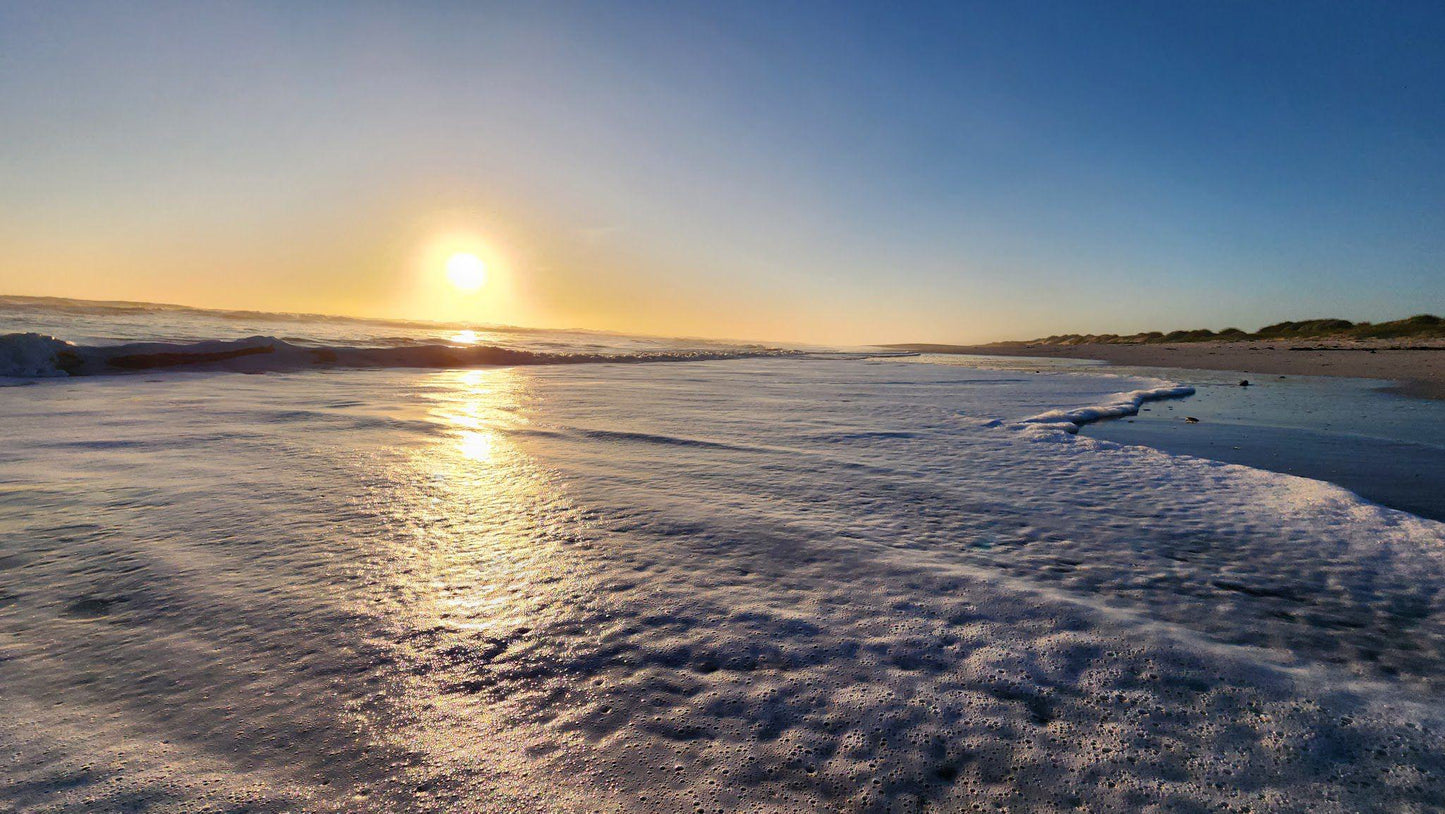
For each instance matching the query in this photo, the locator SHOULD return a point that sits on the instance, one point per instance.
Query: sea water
(783, 582)
(1358, 433)
(1381, 445)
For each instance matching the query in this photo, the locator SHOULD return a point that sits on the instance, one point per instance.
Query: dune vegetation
(1421, 326)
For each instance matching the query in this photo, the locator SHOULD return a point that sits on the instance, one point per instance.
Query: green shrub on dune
(1420, 326)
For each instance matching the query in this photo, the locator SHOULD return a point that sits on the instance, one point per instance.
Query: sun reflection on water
(486, 524)
(477, 446)
(488, 565)
(477, 407)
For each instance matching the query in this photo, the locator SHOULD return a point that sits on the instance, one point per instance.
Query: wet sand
(1417, 366)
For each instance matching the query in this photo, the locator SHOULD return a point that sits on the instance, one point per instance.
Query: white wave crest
(1122, 404)
(32, 355)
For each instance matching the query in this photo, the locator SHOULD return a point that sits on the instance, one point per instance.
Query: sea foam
(772, 585)
(1118, 406)
(31, 355)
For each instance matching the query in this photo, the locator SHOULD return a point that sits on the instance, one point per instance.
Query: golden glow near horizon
(402, 267)
(466, 272)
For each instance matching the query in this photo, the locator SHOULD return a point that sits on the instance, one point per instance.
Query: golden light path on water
(469, 501)
(479, 569)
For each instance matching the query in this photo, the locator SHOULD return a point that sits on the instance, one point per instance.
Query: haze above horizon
(832, 173)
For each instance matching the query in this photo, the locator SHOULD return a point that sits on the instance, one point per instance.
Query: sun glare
(466, 272)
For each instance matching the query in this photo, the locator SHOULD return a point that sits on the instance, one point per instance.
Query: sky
(840, 173)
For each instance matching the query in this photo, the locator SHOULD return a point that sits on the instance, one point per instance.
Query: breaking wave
(1118, 406)
(33, 355)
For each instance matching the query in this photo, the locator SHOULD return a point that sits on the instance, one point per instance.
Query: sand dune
(1417, 366)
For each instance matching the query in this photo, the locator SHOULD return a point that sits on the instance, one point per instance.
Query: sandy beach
(1418, 366)
(633, 574)
(438, 408)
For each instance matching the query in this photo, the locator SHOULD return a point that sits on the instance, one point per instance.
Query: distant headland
(1421, 326)
(1410, 352)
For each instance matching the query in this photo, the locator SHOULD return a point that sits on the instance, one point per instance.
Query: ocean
(409, 567)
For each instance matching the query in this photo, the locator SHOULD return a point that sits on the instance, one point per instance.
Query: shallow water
(1381, 445)
(786, 584)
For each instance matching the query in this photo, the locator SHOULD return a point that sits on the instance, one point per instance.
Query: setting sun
(431, 407)
(466, 272)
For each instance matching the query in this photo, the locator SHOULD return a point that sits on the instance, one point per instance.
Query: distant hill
(1422, 326)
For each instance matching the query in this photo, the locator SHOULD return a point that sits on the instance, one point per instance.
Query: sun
(466, 272)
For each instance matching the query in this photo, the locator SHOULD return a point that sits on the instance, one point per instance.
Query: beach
(631, 574)
(464, 408)
(1416, 366)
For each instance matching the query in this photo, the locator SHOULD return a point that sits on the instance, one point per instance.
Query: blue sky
(798, 171)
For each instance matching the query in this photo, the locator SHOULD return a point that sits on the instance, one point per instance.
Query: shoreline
(1416, 367)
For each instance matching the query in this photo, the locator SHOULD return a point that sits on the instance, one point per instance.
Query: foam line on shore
(1123, 404)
